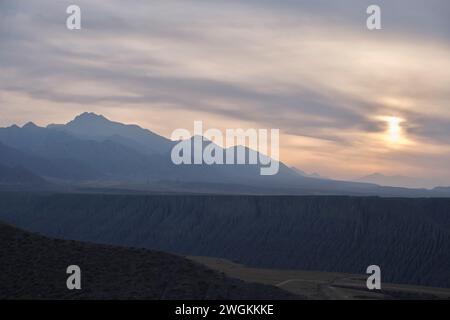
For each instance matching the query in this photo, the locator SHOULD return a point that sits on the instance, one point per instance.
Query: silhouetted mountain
(19, 176)
(116, 156)
(34, 267)
(408, 238)
(61, 168)
(92, 149)
(245, 174)
(97, 127)
(58, 154)
(107, 158)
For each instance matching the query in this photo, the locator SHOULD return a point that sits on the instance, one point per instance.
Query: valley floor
(322, 285)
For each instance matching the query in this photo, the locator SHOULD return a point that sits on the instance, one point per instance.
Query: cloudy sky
(348, 101)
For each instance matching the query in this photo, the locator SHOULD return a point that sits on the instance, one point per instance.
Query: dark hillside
(34, 267)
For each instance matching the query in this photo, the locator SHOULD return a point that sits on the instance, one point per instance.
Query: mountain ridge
(98, 127)
(398, 181)
(92, 149)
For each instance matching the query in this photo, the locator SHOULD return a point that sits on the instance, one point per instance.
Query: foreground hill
(408, 238)
(34, 267)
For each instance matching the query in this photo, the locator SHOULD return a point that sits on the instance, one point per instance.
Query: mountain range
(398, 181)
(19, 176)
(93, 151)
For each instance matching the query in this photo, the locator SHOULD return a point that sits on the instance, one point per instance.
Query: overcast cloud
(310, 68)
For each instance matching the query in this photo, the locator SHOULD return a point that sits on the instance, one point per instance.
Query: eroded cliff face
(408, 238)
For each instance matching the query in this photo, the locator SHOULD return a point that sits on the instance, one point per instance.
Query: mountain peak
(89, 116)
(30, 125)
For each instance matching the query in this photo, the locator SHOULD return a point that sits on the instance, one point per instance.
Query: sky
(348, 101)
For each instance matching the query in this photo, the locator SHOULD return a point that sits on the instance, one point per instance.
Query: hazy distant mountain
(398, 181)
(97, 127)
(305, 174)
(442, 189)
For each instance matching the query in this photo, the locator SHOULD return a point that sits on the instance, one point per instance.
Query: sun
(394, 131)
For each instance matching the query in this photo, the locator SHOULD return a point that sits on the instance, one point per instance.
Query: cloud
(310, 68)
